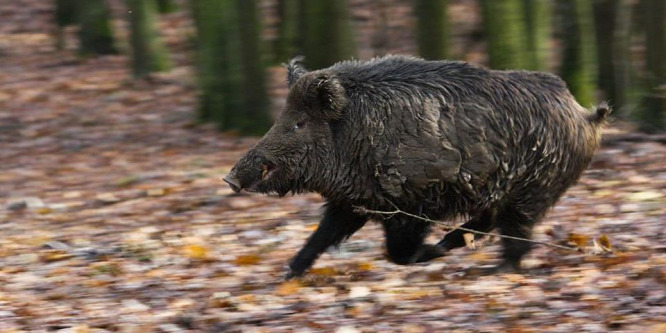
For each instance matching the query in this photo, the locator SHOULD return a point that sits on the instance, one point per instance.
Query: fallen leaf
(578, 240)
(247, 260)
(364, 266)
(605, 243)
(469, 240)
(644, 196)
(107, 198)
(156, 192)
(324, 271)
(195, 252)
(288, 288)
(44, 210)
(55, 255)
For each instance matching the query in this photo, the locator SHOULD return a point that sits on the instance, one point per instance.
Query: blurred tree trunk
(254, 117)
(327, 32)
(622, 58)
(231, 78)
(287, 43)
(505, 33)
(166, 6)
(432, 28)
(65, 15)
(578, 67)
(95, 33)
(538, 32)
(652, 114)
(218, 70)
(606, 20)
(148, 53)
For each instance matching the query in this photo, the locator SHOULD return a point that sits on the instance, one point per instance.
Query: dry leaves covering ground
(113, 218)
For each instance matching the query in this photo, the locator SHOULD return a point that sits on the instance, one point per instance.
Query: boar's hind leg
(404, 241)
(513, 222)
(337, 224)
(483, 222)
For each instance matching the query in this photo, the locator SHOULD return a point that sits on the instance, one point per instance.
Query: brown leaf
(324, 271)
(247, 260)
(44, 211)
(156, 192)
(364, 266)
(605, 243)
(288, 288)
(195, 252)
(578, 240)
(55, 255)
(469, 240)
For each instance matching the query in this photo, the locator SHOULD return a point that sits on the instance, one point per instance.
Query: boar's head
(298, 150)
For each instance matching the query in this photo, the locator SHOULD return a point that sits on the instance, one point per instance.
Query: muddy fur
(435, 138)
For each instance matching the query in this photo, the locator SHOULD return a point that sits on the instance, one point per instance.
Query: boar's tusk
(264, 171)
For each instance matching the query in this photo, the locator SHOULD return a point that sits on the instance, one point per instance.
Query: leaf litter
(113, 217)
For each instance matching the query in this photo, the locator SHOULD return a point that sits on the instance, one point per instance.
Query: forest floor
(113, 217)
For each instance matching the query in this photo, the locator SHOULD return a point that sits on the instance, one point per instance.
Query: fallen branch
(363, 210)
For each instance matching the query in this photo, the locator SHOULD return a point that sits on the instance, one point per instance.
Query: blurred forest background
(606, 50)
(119, 118)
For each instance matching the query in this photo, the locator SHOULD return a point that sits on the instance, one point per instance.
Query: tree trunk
(148, 53)
(505, 35)
(537, 14)
(166, 6)
(622, 58)
(95, 35)
(578, 68)
(432, 28)
(254, 117)
(605, 21)
(652, 114)
(231, 78)
(327, 32)
(287, 43)
(65, 15)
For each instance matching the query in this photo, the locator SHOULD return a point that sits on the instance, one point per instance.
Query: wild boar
(441, 139)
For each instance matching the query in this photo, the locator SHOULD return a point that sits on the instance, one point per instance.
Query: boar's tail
(600, 114)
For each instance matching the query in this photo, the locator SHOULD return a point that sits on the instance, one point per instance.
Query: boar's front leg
(404, 241)
(338, 223)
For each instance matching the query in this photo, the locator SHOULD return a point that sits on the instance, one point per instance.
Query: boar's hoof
(292, 274)
(505, 267)
(508, 266)
(428, 252)
(425, 252)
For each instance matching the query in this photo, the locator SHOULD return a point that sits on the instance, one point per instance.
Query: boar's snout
(251, 173)
(233, 182)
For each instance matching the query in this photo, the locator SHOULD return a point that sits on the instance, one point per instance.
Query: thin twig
(364, 210)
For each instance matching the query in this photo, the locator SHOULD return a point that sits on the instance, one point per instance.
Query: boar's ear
(326, 96)
(295, 70)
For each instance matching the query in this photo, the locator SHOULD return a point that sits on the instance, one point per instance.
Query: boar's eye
(299, 125)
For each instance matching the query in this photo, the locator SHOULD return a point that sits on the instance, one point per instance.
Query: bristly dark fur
(295, 70)
(436, 138)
